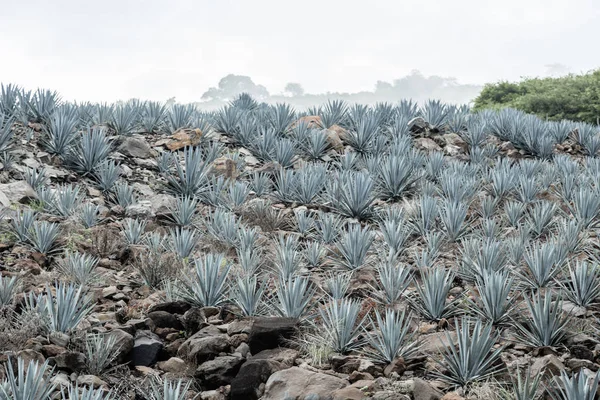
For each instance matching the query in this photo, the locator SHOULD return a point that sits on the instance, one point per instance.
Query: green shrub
(573, 97)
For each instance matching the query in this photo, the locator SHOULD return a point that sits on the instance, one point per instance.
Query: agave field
(346, 252)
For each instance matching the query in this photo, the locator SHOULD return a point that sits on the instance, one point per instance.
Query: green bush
(573, 97)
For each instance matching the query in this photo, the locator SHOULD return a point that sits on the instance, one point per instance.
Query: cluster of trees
(414, 86)
(573, 97)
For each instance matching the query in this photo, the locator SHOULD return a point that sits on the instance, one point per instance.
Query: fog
(361, 51)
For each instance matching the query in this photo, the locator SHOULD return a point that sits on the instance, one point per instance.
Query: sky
(110, 50)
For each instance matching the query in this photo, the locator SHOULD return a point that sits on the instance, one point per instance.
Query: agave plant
(342, 325)
(546, 324)
(391, 336)
(8, 290)
(394, 279)
(247, 295)
(474, 357)
(91, 152)
(353, 247)
(430, 301)
(287, 257)
(79, 268)
(495, 302)
(67, 307)
(184, 212)
(190, 180)
(526, 387)
(28, 382)
(543, 263)
(107, 174)
(337, 285)
(167, 389)
(395, 176)
(352, 195)
(89, 215)
(577, 387)
(206, 285)
(60, 136)
(133, 229)
(22, 223)
(583, 287)
(293, 297)
(42, 236)
(74, 392)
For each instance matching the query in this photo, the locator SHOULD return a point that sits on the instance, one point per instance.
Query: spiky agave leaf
(546, 324)
(342, 325)
(393, 280)
(79, 268)
(391, 336)
(28, 382)
(495, 301)
(473, 358)
(207, 283)
(430, 300)
(353, 247)
(42, 236)
(577, 387)
(191, 179)
(293, 297)
(8, 290)
(165, 389)
(583, 287)
(92, 151)
(67, 307)
(351, 195)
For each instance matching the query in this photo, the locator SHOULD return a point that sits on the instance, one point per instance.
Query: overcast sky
(117, 49)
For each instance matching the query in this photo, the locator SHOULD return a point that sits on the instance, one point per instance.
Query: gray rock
(297, 383)
(548, 365)
(71, 361)
(135, 147)
(203, 345)
(389, 395)
(91, 380)
(123, 343)
(16, 192)
(174, 365)
(218, 372)
(437, 342)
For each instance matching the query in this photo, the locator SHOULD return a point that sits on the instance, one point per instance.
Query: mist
(414, 86)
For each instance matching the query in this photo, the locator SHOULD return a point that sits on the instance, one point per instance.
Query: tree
(232, 85)
(294, 89)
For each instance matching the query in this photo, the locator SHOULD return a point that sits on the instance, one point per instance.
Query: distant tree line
(414, 86)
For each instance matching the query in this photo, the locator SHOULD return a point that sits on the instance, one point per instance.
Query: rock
(226, 167)
(145, 349)
(286, 357)
(135, 147)
(297, 383)
(16, 192)
(172, 307)
(203, 345)
(218, 372)
(240, 326)
(360, 376)
(194, 320)
(395, 367)
(183, 138)
(92, 381)
(251, 375)
(123, 343)
(576, 364)
(452, 396)
(71, 361)
(549, 365)
(438, 342)
(161, 204)
(335, 134)
(268, 333)
(312, 122)
(417, 124)
(348, 393)
(427, 144)
(581, 352)
(163, 319)
(141, 210)
(174, 365)
(349, 364)
(389, 395)
(573, 309)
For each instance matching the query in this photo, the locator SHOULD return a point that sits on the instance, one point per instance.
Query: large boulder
(16, 192)
(204, 345)
(258, 369)
(218, 372)
(135, 147)
(297, 383)
(269, 333)
(123, 344)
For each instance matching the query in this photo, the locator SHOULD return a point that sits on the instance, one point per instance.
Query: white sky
(116, 49)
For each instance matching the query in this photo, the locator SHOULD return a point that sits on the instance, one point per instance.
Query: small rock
(218, 372)
(92, 381)
(16, 192)
(135, 147)
(145, 349)
(395, 367)
(348, 393)
(268, 333)
(548, 365)
(174, 365)
(427, 144)
(123, 344)
(163, 319)
(72, 361)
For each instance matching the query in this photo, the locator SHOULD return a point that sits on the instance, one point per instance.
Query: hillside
(392, 252)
